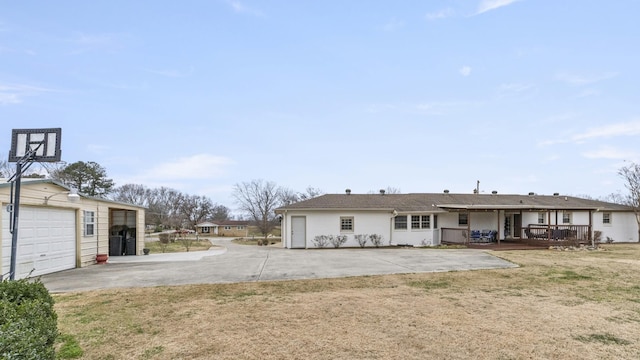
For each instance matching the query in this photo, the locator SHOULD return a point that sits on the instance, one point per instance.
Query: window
(415, 221)
(566, 217)
(463, 219)
(606, 218)
(541, 218)
(420, 222)
(346, 223)
(89, 223)
(227, 227)
(240, 227)
(435, 221)
(425, 222)
(205, 230)
(400, 222)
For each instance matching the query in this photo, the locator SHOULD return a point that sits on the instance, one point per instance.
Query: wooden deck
(511, 245)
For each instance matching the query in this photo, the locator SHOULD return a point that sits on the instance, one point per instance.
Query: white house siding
(417, 237)
(328, 223)
(623, 226)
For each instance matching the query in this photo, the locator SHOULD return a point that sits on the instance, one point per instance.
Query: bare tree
(310, 193)
(196, 209)
(631, 176)
(132, 194)
(220, 212)
(164, 207)
(259, 199)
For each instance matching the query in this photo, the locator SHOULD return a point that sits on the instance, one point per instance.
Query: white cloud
(14, 93)
(201, 166)
(581, 80)
(239, 7)
(488, 5)
(631, 128)
(465, 70)
(608, 152)
(442, 14)
(393, 25)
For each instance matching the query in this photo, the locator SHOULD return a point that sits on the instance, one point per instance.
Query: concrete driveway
(242, 263)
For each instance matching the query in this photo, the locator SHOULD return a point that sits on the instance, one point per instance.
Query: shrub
(361, 239)
(321, 241)
(28, 322)
(376, 239)
(338, 240)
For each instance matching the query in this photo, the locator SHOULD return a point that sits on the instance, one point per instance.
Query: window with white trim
(541, 218)
(346, 224)
(463, 219)
(606, 218)
(400, 222)
(204, 230)
(435, 221)
(566, 217)
(420, 222)
(240, 227)
(89, 220)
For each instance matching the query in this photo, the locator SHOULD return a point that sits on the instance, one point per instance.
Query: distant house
(233, 228)
(59, 229)
(430, 219)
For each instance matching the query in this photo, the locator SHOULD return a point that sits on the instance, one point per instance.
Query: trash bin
(131, 246)
(115, 245)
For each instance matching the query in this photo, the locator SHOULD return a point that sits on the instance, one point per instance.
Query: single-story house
(57, 231)
(430, 219)
(234, 228)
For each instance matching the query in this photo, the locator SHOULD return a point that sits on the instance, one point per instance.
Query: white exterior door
(298, 232)
(46, 241)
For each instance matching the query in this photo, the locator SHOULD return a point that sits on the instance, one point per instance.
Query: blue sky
(530, 95)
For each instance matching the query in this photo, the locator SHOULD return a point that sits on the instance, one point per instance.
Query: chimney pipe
(348, 191)
(382, 191)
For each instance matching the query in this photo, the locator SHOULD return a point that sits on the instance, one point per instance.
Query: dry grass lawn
(557, 305)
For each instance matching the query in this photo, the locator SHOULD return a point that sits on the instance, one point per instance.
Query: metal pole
(14, 230)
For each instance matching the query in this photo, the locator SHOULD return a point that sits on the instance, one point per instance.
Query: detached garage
(56, 234)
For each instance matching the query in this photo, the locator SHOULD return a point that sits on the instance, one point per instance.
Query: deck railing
(454, 236)
(567, 233)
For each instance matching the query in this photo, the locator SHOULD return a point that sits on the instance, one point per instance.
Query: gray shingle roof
(447, 201)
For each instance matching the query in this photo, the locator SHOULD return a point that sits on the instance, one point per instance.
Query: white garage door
(46, 241)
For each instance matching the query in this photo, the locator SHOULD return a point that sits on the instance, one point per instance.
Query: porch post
(591, 229)
(468, 227)
(498, 234)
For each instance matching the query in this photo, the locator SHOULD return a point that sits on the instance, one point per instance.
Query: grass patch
(156, 247)
(254, 241)
(67, 347)
(606, 339)
(534, 311)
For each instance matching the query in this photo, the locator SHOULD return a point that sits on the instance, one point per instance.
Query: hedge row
(28, 322)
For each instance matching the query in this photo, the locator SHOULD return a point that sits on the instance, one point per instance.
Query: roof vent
(348, 191)
(381, 191)
(531, 193)
(556, 194)
(494, 192)
(446, 191)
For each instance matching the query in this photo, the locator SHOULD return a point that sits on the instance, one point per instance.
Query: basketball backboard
(45, 143)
